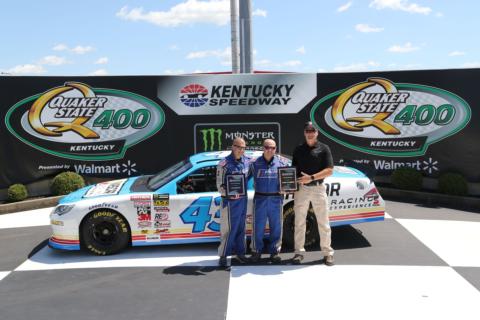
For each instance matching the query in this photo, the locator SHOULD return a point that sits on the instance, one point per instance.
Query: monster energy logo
(209, 136)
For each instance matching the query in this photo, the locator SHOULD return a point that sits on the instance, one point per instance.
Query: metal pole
(245, 36)
(234, 26)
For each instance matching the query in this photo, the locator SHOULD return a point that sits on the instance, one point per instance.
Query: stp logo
(194, 95)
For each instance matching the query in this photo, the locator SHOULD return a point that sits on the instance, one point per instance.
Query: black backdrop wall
(120, 126)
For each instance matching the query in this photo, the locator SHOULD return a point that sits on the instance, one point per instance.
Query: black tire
(105, 232)
(311, 233)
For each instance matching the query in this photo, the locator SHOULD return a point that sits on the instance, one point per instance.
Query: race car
(181, 205)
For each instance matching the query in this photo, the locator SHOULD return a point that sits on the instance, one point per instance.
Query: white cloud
(99, 72)
(224, 54)
(263, 62)
(201, 71)
(259, 13)
(102, 60)
(456, 53)
(189, 12)
(361, 66)
(345, 7)
(291, 63)
(53, 61)
(82, 49)
(78, 49)
(301, 50)
(475, 64)
(26, 69)
(178, 71)
(60, 47)
(402, 5)
(407, 47)
(362, 27)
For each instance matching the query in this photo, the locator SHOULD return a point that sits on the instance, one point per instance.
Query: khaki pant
(318, 197)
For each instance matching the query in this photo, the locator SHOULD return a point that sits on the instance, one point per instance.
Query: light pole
(234, 36)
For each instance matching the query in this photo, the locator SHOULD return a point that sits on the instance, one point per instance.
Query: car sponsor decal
(105, 188)
(103, 205)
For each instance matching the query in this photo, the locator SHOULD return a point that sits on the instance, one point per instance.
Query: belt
(313, 183)
(267, 194)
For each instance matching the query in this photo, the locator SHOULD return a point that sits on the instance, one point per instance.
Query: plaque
(288, 179)
(235, 185)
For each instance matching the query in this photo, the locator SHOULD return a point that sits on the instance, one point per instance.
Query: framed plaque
(235, 185)
(288, 179)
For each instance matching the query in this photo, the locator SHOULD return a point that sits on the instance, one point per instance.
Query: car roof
(219, 155)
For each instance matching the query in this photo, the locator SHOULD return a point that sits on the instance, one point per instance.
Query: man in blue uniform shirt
(267, 202)
(234, 208)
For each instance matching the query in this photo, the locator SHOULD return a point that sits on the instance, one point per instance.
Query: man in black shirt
(314, 163)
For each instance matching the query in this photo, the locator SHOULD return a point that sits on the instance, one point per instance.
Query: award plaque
(288, 179)
(235, 185)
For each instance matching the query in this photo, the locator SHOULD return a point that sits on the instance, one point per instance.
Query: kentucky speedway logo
(390, 119)
(194, 95)
(76, 121)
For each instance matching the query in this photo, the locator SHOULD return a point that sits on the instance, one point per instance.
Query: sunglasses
(239, 147)
(269, 148)
(310, 130)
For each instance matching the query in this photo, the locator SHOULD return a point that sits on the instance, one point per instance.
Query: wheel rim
(104, 233)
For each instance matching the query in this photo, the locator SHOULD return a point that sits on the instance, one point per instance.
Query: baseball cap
(309, 126)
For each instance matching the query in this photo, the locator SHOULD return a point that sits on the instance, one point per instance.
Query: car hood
(103, 189)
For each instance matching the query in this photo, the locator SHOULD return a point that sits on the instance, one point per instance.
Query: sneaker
(222, 262)
(242, 259)
(275, 258)
(328, 260)
(297, 259)
(255, 257)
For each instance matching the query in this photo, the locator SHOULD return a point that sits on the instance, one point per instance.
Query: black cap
(309, 126)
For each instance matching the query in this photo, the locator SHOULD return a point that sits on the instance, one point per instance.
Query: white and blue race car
(181, 205)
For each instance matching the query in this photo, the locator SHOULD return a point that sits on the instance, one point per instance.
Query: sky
(107, 37)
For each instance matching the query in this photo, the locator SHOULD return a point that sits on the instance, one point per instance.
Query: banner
(117, 127)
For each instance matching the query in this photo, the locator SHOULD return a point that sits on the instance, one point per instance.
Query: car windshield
(168, 174)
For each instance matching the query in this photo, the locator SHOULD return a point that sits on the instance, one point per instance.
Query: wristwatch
(312, 177)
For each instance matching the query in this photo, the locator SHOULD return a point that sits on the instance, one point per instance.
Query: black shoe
(297, 259)
(328, 260)
(275, 258)
(242, 259)
(222, 262)
(255, 257)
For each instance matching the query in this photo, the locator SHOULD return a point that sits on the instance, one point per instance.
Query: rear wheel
(105, 232)
(311, 233)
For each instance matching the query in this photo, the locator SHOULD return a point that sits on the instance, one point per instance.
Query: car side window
(201, 180)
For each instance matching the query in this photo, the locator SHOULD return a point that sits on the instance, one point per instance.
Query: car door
(193, 209)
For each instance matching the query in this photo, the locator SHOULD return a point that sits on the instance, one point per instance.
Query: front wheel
(311, 232)
(105, 232)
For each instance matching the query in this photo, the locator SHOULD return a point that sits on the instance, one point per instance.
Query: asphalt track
(420, 263)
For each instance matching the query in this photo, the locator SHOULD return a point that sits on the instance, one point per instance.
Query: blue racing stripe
(56, 245)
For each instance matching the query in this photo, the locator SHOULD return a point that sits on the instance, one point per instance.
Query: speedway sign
(380, 117)
(237, 94)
